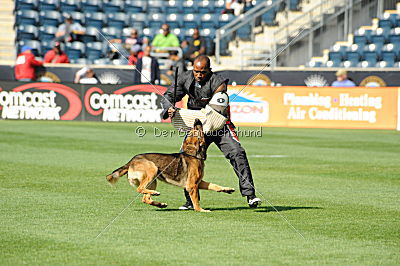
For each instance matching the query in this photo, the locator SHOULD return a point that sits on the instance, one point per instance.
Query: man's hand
(171, 112)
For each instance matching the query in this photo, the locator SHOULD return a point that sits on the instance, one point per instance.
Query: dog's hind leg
(214, 187)
(148, 183)
(148, 200)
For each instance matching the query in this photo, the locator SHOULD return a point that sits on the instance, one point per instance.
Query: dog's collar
(197, 157)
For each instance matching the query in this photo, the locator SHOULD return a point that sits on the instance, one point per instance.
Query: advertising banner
(326, 107)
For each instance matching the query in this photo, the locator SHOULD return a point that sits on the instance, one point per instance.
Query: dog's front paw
(228, 190)
(163, 205)
(155, 193)
(203, 210)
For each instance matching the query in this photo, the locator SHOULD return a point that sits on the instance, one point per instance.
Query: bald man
(200, 84)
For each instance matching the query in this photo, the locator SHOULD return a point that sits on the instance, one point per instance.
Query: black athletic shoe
(253, 201)
(186, 206)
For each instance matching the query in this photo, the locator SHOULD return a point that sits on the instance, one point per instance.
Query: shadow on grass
(259, 209)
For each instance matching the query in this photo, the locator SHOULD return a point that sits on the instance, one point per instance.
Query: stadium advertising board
(326, 107)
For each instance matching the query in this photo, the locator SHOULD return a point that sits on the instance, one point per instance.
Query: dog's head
(195, 143)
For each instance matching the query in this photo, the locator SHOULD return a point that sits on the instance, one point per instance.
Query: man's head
(165, 29)
(341, 75)
(89, 73)
(196, 33)
(201, 68)
(147, 51)
(57, 47)
(26, 48)
(69, 19)
(134, 33)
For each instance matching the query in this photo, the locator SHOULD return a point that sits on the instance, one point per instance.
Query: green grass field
(340, 189)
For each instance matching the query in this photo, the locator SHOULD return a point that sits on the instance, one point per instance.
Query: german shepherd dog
(185, 169)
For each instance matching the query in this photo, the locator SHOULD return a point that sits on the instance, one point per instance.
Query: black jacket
(197, 99)
(155, 71)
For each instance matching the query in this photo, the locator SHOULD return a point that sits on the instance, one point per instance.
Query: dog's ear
(197, 123)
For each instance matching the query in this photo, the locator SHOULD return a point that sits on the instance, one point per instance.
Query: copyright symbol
(140, 131)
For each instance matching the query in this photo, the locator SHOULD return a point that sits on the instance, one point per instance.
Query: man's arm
(221, 88)
(169, 96)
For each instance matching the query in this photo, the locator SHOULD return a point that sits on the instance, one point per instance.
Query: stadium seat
(113, 6)
(27, 17)
(75, 50)
(179, 33)
(50, 18)
(385, 32)
(94, 50)
(394, 36)
(189, 7)
(370, 57)
(187, 33)
(333, 64)
(389, 58)
(80, 61)
(112, 33)
(27, 32)
(360, 40)
(203, 7)
(154, 6)
(46, 46)
(45, 5)
(35, 45)
(293, 4)
(156, 20)
(190, 21)
(91, 6)
(117, 20)
(209, 21)
(364, 32)
(26, 4)
(219, 6)
(91, 35)
(340, 49)
(208, 33)
(69, 5)
(225, 19)
(335, 57)
(385, 23)
(134, 6)
(353, 57)
(47, 33)
(138, 21)
(96, 20)
(174, 20)
(269, 17)
(102, 61)
(76, 16)
(150, 32)
(355, 48)
(378, 40)
(119, 62)
(391, 17)
(172, 7)
(244, 32)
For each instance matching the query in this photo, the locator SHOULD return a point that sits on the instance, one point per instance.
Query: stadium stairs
(369, 51)
(7, 33)
(268, 38)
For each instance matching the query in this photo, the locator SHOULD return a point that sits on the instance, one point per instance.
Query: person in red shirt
(56, 55)
(26, 64)
(136, 53)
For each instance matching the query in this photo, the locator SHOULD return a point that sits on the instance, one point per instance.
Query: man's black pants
(228, 142)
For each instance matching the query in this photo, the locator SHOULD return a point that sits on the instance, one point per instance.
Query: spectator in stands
(196, 46)
(86, 76)
(147, 69)
(26, 64)
(136, 53)
(56, 55)
(175, 61)
(133, 39)
(235, 7)
(342, 80)
(69, 31)
(166, 38)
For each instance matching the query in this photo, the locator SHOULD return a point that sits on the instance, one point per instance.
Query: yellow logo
(373, 81)
(259, 80)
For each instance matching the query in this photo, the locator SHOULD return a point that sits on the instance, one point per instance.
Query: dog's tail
(117, 173)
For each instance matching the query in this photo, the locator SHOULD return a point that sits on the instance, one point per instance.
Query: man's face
(196, 34)
(147, 51)
(165, 29)
(200, 72)
(68, 20)
(134, 34)
(341, 77)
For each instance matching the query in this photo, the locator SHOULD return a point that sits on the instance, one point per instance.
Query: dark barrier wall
(53, 101)
(309, 78)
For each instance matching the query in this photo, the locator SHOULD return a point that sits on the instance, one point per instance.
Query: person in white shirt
(86, 76)
(69, 31)
(147, 69)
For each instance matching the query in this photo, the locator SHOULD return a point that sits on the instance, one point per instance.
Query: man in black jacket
(147, 69)
(200, 84)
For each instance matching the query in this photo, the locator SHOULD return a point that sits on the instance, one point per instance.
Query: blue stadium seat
(378, 40)
(172, 7)
(294, 4)
(353, 57)
(91, 35)
(340, 48)
(219, 6)
(389, 58)
(355, 48)
(69, 5)
(50, 18)
(179, 33)
(80, 61)
(138, 20)
(224, 45)
(47, 33)
(385, 23)
(189, 7)
(112, 33)
(335, 57)
(394, 36)
(174, 20)
(27, 17)
(187, 33)
(26, 4)
(35, 45)
(91, 6)
(203, 7)
(392, 17)
(225, 19)
(76, 16)
(244, 32)
(117, 20)
(46, 46)
(113, 6)
(96, 20)
(269, 17)
(360, 40)
(371, 57)
(208, 33)
(333, 64)
(190, 21)
(156, 20)
(134, 6)
(102, 61)
(385, 32)
(94, 50)
(364, 32)
(154, 6)
(119, 62)
(209, 21)
(150, 32)
(75, 50)
(45, 5)
(27, 32)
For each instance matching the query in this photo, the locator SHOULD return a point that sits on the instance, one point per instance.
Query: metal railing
(246, 18)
